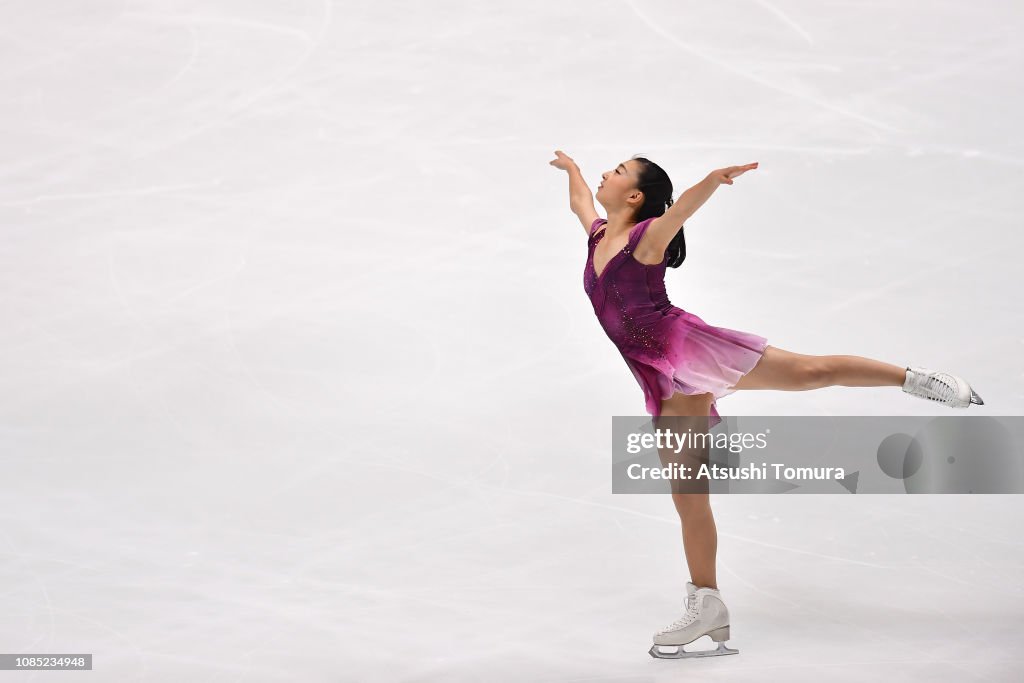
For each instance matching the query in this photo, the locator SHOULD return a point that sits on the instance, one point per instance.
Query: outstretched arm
(581, 199)
(664, 228)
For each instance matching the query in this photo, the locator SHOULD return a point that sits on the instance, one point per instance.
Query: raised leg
(787, 371)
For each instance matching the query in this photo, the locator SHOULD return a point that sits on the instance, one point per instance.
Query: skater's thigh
(686, 415)
(687, 404)
(781, 370)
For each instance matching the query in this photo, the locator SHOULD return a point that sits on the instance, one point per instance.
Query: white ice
(299, 382)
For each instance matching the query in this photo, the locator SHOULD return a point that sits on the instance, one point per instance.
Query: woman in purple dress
(683, 364)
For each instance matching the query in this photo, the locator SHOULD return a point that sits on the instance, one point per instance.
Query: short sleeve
(596, 224)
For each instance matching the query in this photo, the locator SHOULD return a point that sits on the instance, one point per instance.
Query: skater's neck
(620, 221)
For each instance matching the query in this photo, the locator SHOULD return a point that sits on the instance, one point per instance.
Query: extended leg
(787, 371)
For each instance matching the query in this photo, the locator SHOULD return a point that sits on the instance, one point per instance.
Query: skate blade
(680, 653)
(975, 399)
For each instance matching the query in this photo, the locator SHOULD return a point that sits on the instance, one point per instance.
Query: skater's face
(618, 187)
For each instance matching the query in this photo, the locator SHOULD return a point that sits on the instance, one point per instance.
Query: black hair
(657, 189)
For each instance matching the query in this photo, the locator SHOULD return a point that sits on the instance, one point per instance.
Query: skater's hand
(562, 161)
(724, 176)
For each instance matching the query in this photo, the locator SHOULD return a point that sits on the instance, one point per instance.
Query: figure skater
(683, 364)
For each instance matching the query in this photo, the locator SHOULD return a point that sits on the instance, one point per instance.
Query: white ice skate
(706, 615)
(943, 387)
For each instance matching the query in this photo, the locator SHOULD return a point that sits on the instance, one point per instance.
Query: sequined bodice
(629, 297)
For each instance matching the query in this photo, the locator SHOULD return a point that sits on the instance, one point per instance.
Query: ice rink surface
(299, 382)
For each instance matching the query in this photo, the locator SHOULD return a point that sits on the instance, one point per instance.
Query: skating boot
(706, 615)
(943, 387)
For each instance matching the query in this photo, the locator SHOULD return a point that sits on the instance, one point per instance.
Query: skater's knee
(692, 505)
(817, 372)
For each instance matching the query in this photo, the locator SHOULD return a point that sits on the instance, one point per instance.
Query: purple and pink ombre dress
(668, 349)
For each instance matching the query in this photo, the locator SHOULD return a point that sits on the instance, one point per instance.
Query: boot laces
(688, 618)
(941, 388)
